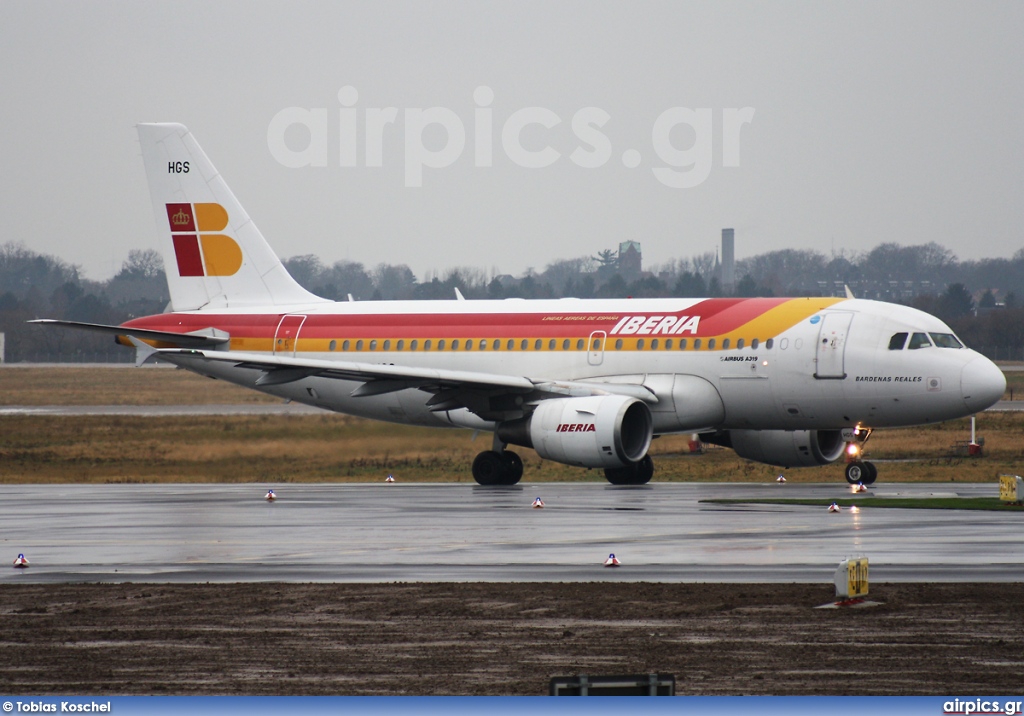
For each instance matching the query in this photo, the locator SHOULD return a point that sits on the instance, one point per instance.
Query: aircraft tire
(620, 475)
(855, 473)
(488, 468)
(644, 471)
(639, 473)
(513, 468)
(871, 473)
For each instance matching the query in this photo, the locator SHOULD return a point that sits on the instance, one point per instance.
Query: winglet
(849, 293)
(458, 295)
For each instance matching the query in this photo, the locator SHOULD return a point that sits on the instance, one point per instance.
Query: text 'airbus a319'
(783, 381)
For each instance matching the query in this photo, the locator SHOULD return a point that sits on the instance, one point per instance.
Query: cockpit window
(946, 340)
(897, 342)
(919, 340)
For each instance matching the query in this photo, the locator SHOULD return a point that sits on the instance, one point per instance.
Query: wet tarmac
(457, 532)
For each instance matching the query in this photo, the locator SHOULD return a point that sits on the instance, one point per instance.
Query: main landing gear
(493, 467)
(639, 473)
(861, 472)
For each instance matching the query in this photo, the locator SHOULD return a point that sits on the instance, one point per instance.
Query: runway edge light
(270, 496)
(612, 561)
(21, 562)
(538, 503)
(389, 478)
(834, 507)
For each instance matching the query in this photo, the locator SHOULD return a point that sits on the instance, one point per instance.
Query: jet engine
(596, 431)
(785, 448)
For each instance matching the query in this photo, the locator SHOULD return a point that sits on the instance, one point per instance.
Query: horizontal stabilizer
(210, 338)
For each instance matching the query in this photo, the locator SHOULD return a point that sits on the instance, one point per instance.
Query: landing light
(852, 450)
(764, 362)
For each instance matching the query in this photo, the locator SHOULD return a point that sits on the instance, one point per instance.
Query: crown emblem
(181, 218)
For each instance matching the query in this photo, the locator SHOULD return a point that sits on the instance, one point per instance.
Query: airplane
(790, 382)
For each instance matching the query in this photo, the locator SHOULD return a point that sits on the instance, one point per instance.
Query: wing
(492, 396)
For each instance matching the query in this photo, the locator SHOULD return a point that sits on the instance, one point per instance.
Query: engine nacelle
(595, 431)
(788, 448)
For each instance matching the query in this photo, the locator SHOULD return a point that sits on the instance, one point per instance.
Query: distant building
(630, 260)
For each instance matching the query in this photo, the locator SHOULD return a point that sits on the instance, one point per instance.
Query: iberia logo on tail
(198, 250)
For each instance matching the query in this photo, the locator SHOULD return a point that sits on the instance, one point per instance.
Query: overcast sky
(831, 126)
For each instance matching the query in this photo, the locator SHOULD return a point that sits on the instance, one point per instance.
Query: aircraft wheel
(639, 473)
(620, 475)
(870, 473)
(644, 471)
(488, 468)
(513, 465)
(855, 472)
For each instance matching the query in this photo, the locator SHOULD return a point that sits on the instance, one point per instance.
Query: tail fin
(214, 255)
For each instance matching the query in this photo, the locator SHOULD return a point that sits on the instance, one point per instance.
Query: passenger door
(831, 351)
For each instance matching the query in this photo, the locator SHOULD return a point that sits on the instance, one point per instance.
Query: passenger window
(373, 345)
(333, 345)
(565, 344)
(455, 345)
(696, 344)
(469, 345)
(440, 345)
(640, 344)
(725, 344)
(538, 344)
(946, 340)
(618, 344)
(897, 342)
(654, 344)
(414, 345)
(359, 345)
(919, 340)
(496, 345)
(387, 345)
(401, 345)
(754, 344)
(668, 343)
(345, 345)
(682, 344)
(769, 343)
(524, 344)
(551, 344)
(740, 343)
(426, 345)
(711, 344)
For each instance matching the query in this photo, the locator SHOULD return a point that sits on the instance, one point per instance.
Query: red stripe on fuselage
(717, 316)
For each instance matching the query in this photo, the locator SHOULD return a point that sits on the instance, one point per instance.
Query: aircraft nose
(982, 383)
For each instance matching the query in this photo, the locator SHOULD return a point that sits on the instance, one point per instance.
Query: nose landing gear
(861, 472)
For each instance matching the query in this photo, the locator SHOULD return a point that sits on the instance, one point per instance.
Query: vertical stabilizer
(214, 255)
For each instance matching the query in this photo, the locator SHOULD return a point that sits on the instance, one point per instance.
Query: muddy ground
(443, 638)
